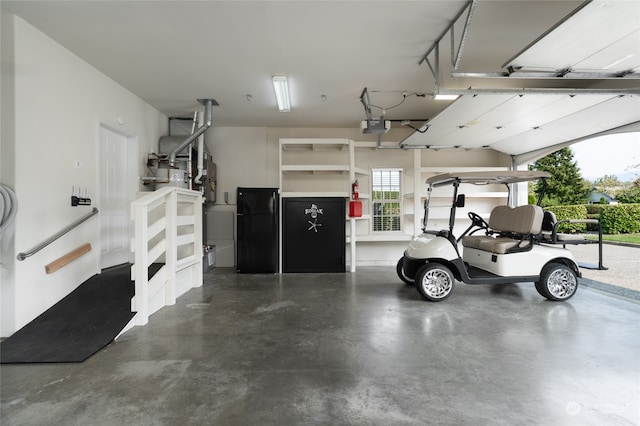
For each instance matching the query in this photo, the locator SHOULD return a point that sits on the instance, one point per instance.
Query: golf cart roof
(486, 178)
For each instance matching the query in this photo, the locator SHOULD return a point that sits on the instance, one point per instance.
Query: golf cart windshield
(477, 178)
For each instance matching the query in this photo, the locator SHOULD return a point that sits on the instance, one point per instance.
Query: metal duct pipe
(208, 114)
(195, 121)
(201, 171)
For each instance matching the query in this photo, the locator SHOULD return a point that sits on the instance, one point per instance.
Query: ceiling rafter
(511, 71)
(456, 54)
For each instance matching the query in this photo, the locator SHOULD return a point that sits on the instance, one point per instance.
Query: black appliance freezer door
(257, 201)
(313, 235)
(257, 244)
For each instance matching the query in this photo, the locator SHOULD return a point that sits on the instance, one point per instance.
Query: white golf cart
(508, 250)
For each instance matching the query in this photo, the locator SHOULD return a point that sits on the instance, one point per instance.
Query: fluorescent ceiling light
(445, 97)
(281, 88)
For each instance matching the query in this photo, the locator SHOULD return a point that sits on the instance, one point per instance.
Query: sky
(609, 155)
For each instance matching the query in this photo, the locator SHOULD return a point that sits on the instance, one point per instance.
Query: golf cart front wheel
(401, 274)
(434, 282)
(557, 282)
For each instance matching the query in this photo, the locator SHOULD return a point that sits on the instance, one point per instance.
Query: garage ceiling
(171, 53)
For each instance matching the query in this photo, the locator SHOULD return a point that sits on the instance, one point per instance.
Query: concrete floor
(349, 349)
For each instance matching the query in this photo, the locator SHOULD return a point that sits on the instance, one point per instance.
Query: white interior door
(114, 202)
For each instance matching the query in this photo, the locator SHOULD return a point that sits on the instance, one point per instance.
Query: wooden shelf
(363, 217)
(367, 144)
(315, 168)
(315, 194)
(361, 171)
(314, 144)
(363, 196)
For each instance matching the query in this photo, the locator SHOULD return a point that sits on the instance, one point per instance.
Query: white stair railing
(168, 231)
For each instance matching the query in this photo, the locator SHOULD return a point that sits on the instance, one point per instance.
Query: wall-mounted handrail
(23, 256)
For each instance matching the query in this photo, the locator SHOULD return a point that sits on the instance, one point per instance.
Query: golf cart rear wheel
(401, 274)
(434, 282)
(557, 282)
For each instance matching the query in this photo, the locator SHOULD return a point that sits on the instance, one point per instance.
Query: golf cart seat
(514, 228)
(550, 235)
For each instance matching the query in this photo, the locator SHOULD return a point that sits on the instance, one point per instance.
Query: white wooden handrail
(158, 197)
(168, 230)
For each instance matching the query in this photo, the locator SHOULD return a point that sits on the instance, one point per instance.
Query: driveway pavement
(622, 261)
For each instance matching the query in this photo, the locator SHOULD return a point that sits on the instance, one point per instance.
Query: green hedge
(593, 209)
(615, 219)
(620, 218)
(570, 212)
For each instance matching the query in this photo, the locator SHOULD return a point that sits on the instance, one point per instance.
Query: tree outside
(630, 193)
(624, 192)
(566, 185)
(607, 184)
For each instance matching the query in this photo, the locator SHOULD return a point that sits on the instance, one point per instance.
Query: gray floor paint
(349, 349)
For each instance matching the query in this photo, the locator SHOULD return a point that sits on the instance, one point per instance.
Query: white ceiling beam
(541, 91)
(628, 74)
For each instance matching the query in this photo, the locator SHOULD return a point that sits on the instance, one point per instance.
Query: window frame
(398, 200)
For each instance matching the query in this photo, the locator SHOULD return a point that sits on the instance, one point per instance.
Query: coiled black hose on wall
(8, 208)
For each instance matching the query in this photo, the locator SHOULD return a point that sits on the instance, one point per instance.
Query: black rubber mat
(79, 325)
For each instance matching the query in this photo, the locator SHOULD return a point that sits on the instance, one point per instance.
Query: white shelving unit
(314, 167)
(317, 168)
(485, 198)
(328, 167)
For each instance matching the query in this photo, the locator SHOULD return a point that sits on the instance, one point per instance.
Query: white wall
(249, 157)
(241, 155)
(52, 106)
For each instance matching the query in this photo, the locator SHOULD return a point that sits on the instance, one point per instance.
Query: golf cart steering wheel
(477, 220)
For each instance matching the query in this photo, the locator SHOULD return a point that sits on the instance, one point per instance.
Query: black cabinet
(313, 234)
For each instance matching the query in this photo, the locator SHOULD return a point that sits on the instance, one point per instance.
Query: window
(386, 199)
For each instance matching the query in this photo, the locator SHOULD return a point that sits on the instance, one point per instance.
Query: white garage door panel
(497, 119)
(607, 115)
(468, 108)
(624, 54)
(444, 129)
(596, 28)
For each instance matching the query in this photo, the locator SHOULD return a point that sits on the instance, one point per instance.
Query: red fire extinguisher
(355, 190)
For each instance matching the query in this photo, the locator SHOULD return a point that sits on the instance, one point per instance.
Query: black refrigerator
(257, 222)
